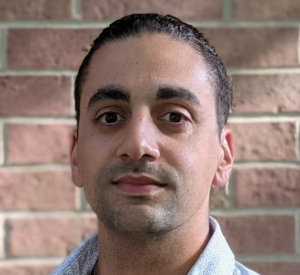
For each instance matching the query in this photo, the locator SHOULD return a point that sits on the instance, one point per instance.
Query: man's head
(138, 24)
(152, 99)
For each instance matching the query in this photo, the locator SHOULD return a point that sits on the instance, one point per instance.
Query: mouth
(137, 185)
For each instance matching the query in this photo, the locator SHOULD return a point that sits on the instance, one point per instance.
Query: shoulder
(242, 270)
(82, 260)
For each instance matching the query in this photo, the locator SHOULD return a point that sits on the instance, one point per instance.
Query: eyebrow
(113, 92)
(167, 92)
(110, 92)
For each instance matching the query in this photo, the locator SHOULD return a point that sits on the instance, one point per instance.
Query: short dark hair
(138, 24)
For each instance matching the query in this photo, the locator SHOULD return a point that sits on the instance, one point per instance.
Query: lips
(137, 185)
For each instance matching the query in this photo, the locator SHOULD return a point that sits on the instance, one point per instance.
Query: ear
(74, 160)
(226, 159)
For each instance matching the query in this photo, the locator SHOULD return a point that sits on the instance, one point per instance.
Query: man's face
(147, 109)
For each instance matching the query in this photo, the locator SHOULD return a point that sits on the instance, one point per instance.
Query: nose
(139, 141)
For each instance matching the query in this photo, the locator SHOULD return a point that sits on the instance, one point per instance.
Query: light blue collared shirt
(216, 259)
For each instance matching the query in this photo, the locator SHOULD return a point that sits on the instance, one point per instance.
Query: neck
(173, 253)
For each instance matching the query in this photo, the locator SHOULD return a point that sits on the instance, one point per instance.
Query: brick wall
(43, 217)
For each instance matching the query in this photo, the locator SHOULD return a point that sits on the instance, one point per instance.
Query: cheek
(93, 153)
(196, 160)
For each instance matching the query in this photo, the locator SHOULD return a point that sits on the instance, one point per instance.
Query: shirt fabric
(216, 259)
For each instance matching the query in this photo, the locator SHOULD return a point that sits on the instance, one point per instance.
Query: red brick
(47, 236)
(35, 96)
(35, 10)
(266, 9)
(264, 141)
(278, 268)
(259, 234)
(267, 187)
(185, 10)
(48, 48)
(1, 145)
(42, 190)
(27, 270)
(218, 197)
(266, 93)
(2, 244)
(255, 48)
(39, 143)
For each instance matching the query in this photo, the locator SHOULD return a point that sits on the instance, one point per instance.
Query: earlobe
(74, 161)
(226, 161)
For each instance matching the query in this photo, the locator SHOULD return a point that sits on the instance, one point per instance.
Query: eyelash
(174, 124)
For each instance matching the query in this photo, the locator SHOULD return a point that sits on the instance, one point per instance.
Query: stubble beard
(138, 215)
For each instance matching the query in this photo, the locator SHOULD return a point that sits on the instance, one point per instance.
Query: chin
(142, 220)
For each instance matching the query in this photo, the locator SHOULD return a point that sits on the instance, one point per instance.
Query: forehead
(146, 62)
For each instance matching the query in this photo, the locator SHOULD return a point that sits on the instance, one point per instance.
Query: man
(152, 99)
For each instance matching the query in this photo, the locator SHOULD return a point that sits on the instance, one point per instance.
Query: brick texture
(39, 143)
(49, 37)
(266, 93)
(278, 268)
(264, 141)
(242, 47)
(48, 48)
(35, 10)
(2, 245)
(266, 9)
(246, 47)
(218, 197)
(43, 190)
(259, 234)
(1, 145)
(26, 270)
(187, 10)
(35, 96)
(47, 236)
(268, 187)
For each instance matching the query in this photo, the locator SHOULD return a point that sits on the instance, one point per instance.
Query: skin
(163, 232)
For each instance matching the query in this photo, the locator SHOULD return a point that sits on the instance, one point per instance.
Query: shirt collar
(217, 257)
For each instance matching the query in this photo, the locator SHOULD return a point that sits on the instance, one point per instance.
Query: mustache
(159, 173)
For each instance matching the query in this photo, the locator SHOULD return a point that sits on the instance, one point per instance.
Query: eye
(109, 118)
(174, 117)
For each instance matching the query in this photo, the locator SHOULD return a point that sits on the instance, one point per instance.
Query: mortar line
(263, 118)
(251, 211)
(71, 24)
(37, 261)
(297, 234)
(5, 143)
(262, 71)
(287, 258)
(297, 139)
(45, 214)
(227, 10)
(266, 164)
(72, 110)
(235, 118)
(231, 190)
(3, 238)
(299, 45)
(83, 200)
(3, 41)
(241, 212)
(17, 168)
(78, 202)
(37, 73)
(39, 120)
(55, 166)
(1, 143)
(76, 9)
(231, 72)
